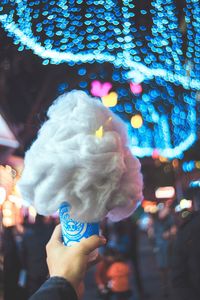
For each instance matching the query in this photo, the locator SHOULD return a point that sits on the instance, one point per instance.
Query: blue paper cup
(73, 231)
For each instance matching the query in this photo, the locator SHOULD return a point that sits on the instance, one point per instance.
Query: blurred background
(142, 58)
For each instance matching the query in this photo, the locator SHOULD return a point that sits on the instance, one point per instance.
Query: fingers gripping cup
(73, 231)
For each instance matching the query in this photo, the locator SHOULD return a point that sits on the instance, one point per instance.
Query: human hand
(70, 262)
(103, 290)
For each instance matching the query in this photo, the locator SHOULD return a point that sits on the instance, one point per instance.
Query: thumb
(90, 244)
(56, 236)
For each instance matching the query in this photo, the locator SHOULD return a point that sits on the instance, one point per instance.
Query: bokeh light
(110, 100)
(136, 121)
(154, 69)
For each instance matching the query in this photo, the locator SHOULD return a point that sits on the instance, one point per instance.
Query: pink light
(155, 154)
(99, 89)
(136, 88)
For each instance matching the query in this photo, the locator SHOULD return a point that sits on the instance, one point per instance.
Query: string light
(189, 166)
(81, 32)
(195, 184)
(167, 38)
(59, 32)
(192, 19)
(167, 152)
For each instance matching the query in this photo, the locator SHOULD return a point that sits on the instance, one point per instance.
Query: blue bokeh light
(58, 32)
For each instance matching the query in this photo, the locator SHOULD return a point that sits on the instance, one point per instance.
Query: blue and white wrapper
(73, 231)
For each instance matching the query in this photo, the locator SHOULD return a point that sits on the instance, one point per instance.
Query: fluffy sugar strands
(81, 157)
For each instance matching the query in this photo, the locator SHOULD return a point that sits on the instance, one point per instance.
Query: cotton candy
(71, 162)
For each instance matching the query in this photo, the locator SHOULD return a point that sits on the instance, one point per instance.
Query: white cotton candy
(97, 176)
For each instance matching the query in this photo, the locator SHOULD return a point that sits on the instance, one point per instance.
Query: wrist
(62, 283)
(68, 278)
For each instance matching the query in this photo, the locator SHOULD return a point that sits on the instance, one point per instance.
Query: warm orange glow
(150, 206)
(175, 163)
(148, 202)
(7, 222)
(9, 213)
(163, 159)
(136, 121)
(16, 200)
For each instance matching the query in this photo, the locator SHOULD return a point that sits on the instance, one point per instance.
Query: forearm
(55, 288)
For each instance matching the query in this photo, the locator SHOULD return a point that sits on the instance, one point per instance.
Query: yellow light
(7, 212)
(163, 159)
(7, 221)
(110, 100)
(184, 203)
(136, 121)
(147, 208)
(99, 132)
(153, 209)
(197, 164)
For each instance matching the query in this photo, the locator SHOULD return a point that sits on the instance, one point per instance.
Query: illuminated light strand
(71, 38)
(63, 41)
(167, 40)
(188, 166)
(183, 124)
(192, 19)
(169, 152)
(184, 111)
(166, 138)
(195, 184)
(23, 13)
(127, 11)
(57, 57)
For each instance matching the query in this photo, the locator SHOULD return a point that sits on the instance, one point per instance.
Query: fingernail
(103, 239)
